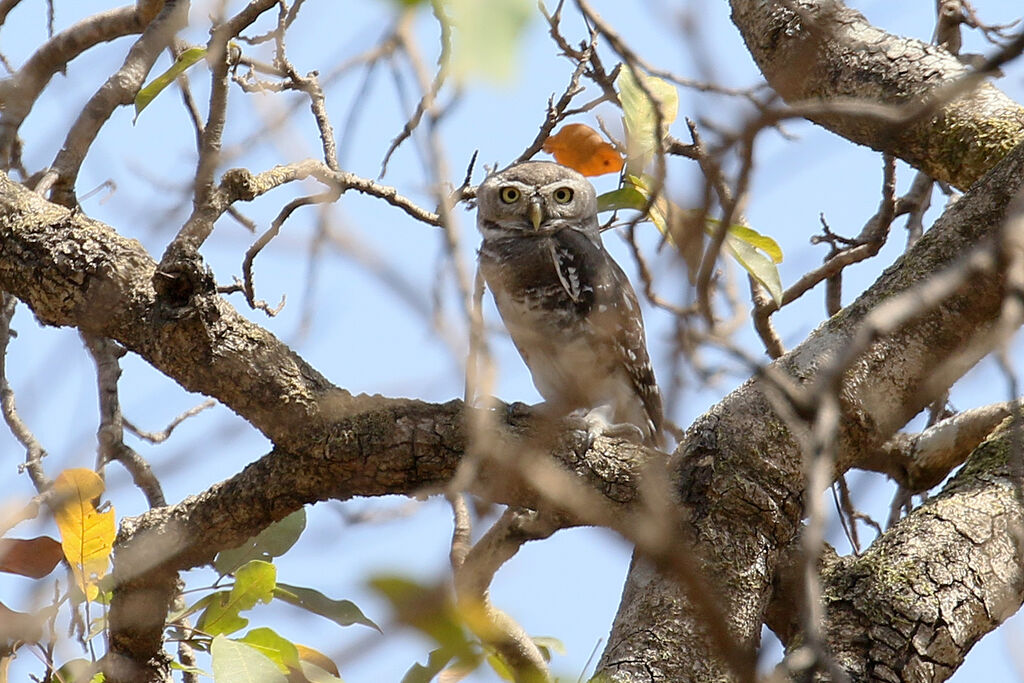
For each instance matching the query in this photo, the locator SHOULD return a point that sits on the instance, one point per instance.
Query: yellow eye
(563, 195)
(509, 194)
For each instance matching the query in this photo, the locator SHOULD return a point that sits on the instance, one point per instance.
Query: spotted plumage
(568, 307)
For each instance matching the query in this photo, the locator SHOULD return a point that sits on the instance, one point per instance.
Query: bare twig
(428, 99)
(556, 111)
(206, 208)
(34, 452)
(20, 92)
(118, 90)
(264, 240)
(110, 435)
(473, 577)
(165, 433)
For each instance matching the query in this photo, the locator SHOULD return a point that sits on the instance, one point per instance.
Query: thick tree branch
(911, 607)
(918, 462)
(822, 51)
(744, 486)
(740, 467)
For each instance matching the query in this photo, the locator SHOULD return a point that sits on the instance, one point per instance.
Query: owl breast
(560, 298)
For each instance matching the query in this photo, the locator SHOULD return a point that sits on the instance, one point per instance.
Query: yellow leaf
(582, 148)
(87, 535)
(640, 110)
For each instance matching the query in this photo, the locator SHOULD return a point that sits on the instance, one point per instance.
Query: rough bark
(912, 606)
(740, 466)
(820, 51)
(739, 473)
(77, 272)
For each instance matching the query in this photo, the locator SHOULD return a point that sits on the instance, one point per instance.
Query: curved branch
(740, 466)
(917, 601)
(918, 462)
(740, 472)
(118, 90)
(820, 50)
(20, 92)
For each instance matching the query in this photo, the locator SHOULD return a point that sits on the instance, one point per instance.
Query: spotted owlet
(569, 308)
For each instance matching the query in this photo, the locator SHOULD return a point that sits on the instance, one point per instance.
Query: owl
(568, 307)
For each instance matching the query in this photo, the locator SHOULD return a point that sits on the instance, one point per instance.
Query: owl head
(536, 197)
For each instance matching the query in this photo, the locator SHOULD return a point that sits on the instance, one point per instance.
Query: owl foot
(518, 410)
(596, 422)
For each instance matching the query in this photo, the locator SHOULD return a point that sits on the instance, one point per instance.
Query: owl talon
(595, 423)
(517, 410)
(624, 430)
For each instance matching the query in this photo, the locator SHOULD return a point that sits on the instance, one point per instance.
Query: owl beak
(536, 213)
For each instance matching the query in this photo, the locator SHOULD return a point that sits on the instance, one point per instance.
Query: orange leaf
(34, 557)
(582, 148)
(87, 535)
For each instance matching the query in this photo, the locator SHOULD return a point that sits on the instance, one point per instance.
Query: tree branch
(740, 465)
(912, 606)
(822, 51)
(918, 462)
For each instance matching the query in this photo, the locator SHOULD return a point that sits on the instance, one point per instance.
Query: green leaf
(639, 113)
(341, 612)
(659, 210)
(199, 604)
(761, 267)
(429, 610)
(274, 541)
(755, 252)
(254, 583)
(547, 645)
(437, 660)
(756, 239)
(235, 662)
(221, 616)
(279, 650)
(626, 197)
(501, 668)
(487, 37)
(156, 86)
(178, 666)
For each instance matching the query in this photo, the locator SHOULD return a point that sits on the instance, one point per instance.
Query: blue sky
(366, 338)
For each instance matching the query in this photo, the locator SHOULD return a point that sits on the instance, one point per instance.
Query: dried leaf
(34, 557)
(308, 654)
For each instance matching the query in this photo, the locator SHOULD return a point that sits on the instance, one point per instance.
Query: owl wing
(609, 314)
